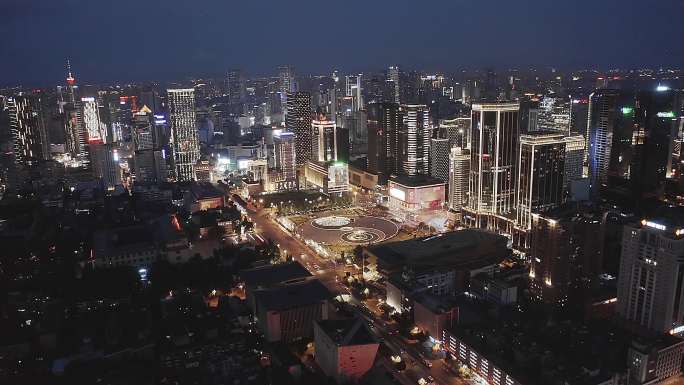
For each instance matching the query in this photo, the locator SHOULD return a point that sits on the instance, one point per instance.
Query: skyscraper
(553, 114)
(27, 129)
(393, 83)
(459, 171)
(235, 87)
(413, 140)
(104, 164)
(286, 83)
(298, 120)
(565, 246)
(655, 130)
(383, 121)
(90, 122)
(494, 145)
(603, 110)
(650, 283)
(324, 139)
(574, 158)
(353, 89)
(541, 170)
(181, 106)
(439, 158)
(285, 155)
(457, 130)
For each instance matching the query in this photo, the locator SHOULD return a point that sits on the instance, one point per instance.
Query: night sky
(166, 39)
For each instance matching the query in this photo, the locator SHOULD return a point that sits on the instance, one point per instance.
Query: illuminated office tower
(439, 158)
(603, 116)
(541, 170)
(553, 114)
(393, 83)
(459, 172)
(353, 89)
(181, 106)
(90, 122)
(383, 121)
(285, 155)
(286, 83)
(27, 129)
(457, 130)
(105, 164)
(298, 120)
(656, 126)
(574, 158)
(324, 139)
(493, 149)
(413, 140)
(650, 284)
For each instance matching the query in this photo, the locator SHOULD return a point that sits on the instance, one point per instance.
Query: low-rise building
(345, 348)
(128, 246)
(433, 315)
(267, 276)
(287, 312)
(329, 177)
(362, 178)
(494, 290)
(413, 194)
(203, 196)
(443, 263)
(655, 360)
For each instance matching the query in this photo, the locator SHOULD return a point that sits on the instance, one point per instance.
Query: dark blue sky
(164, 39)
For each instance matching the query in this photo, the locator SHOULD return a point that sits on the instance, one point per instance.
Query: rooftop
(269, 275)
(346, 332)
(205, 191)
(469, 248)
(416, 181)
(292, 295)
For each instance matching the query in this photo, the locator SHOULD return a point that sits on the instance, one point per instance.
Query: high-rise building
(235, 87)
(285, 155)
(286, 83)
(439, 158)
(553, 114)
(413, 140)
(457, 130)
(565, 245)
(459, 171)
(181, 106)
(650, 282)
(105, 164)
(655, 130)
(541, 170)
(393, 83)
(298, 120)
(27, 129)
(90, 122)
(383, 122)
(574, 159)
(353, 89)
(494, 146)
(603, 116)
(324, 139)
(75, 136)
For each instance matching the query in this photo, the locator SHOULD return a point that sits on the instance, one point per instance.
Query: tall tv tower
(71, 83)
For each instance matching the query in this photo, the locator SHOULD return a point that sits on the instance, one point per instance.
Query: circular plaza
(347, 230)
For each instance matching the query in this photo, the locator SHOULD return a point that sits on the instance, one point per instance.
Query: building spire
(70, 78)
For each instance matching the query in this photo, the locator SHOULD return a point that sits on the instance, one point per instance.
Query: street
(331, 275)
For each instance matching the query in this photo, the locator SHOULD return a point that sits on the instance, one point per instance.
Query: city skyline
(461, 35)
